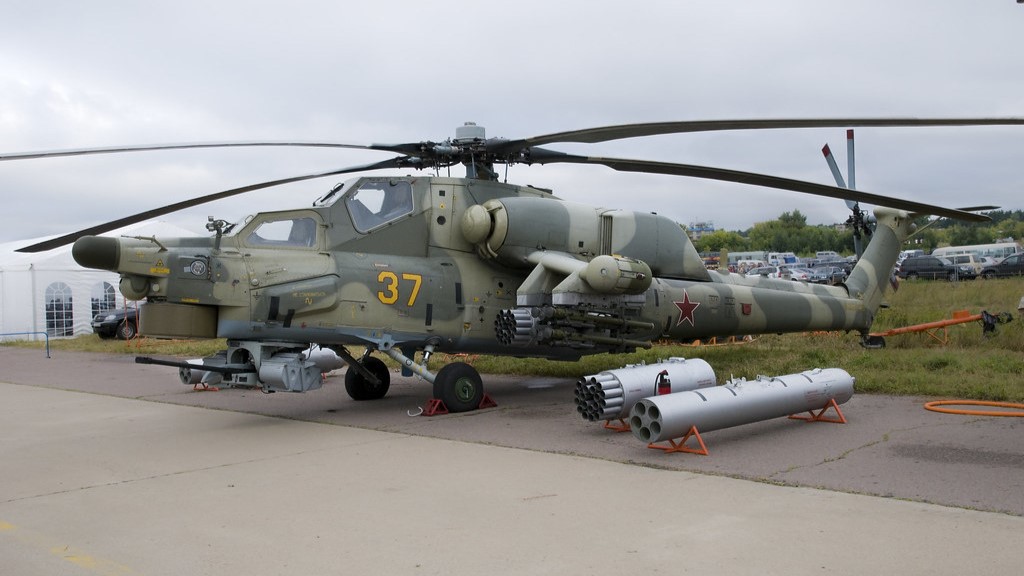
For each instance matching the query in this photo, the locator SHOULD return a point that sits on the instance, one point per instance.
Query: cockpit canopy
(378, 201)
(296, 232)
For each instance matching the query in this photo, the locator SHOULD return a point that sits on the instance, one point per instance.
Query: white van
(827, 255)
(782, 259)
(908, 254)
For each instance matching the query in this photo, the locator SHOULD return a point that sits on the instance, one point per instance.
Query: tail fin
(870, 277)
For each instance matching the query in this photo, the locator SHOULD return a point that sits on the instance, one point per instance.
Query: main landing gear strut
(458, 384)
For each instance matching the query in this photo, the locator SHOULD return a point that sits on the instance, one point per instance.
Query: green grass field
(969, 365)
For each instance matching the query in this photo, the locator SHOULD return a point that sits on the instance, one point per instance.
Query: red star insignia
(686, 309)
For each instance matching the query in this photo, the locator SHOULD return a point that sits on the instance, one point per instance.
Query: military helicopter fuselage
(402, 264)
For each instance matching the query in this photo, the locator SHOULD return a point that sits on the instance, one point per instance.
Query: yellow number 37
(389, 283)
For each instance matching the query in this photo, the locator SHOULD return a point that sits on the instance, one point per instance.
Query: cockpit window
(293, 232)
(378, 202)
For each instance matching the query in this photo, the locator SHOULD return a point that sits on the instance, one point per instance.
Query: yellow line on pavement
(78, 557)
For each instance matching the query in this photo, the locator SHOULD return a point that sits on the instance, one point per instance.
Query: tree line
(791, 233)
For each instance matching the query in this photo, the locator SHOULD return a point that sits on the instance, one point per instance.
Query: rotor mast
(472, 140)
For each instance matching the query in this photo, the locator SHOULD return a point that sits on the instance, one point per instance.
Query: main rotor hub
(469, 132)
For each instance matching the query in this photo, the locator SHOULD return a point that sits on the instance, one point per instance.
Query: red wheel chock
(680, 446)
(200, 387)
(435, 407)
(820, 416)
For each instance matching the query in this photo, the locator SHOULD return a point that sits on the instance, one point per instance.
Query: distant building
(698, 229)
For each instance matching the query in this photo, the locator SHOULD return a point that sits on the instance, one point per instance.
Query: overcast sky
(84, 74)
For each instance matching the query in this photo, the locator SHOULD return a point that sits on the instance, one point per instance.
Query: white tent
(48, 293)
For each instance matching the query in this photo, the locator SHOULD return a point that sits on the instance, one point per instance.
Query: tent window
(103, 298)
(60, 316)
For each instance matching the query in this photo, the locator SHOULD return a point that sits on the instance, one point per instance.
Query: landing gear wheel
(873, 342)
(459, 386)
(126, 330)
(359, 388)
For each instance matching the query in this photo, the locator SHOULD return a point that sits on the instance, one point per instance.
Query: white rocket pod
(738, 402)
(610, 394)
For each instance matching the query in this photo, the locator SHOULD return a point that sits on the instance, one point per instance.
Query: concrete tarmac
(110, 467)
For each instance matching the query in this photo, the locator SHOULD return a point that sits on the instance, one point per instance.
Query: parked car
(817, 276)
(801, 274)
(908, 254)
(934, 268)
(121, 323)
(769, 272)
(846, 264)
(1010, 266)
(832, 275)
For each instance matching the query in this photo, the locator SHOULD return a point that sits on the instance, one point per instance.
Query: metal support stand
(820, 416)
(622, 426)
(680, 446)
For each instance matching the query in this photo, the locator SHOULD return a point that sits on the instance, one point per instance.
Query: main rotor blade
(978, 208)
(148, 214)
(754, 179)
(146, 147)
(606, 133)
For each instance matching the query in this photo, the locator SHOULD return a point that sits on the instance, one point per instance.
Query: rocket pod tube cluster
(738, 402)
(611, 394)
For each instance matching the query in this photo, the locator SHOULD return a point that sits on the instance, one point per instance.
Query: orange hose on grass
(939, 406)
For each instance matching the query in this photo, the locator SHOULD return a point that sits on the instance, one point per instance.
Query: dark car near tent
(934, 268)
(122, 323)
(1012, 265)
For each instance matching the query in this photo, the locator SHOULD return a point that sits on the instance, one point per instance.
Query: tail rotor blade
(834, 167)
(850, 162)
(851, 204)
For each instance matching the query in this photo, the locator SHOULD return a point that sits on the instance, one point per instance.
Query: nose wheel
(457, 385)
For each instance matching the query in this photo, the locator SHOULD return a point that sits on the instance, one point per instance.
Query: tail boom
(871, 276)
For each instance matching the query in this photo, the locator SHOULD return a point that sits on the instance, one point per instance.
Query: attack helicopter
(421, 264)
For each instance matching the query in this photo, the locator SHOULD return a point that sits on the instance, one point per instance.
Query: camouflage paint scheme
(469, 266)
(401, 265)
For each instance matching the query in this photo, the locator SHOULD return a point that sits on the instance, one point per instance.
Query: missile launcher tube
(192, 376)
(738, 402)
